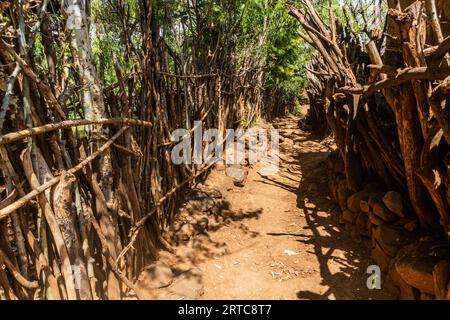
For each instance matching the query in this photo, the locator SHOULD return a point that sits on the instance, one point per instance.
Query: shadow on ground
(330, 241)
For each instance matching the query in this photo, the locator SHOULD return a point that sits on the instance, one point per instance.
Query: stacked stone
(419, 267)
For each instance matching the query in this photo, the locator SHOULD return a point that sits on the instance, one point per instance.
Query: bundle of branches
(69, 196)
(390, 118)
(86, 188)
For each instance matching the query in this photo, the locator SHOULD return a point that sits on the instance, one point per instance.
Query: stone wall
(417, 265)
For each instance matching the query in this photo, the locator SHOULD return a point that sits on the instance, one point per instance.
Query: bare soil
(282, 238)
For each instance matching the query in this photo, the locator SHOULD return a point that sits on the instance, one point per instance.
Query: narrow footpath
(280, 238)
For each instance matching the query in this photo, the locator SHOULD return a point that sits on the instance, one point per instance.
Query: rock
(188, 284)
(406, 291)
(287, 132)
(201, 224)
(389, 286)
(197, 194)
(156, 275)
(382, 212)
(415, 263)
(186, 231)
(349, 216)
(362, 223)
(391, 238)
(393, 274)
(199, 201)
(411, 226)
(214, 193)
(194, 206)
(374, 219)
(310, 205)
(380, 258)
(393, 201)
(441, 279)
(375, 197)
(238, 174)
(353, 202)
(364, 205)
(287, 143)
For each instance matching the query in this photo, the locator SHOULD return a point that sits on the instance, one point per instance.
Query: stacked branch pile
(387, 106)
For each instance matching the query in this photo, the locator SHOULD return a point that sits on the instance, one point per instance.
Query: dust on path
(284, 241)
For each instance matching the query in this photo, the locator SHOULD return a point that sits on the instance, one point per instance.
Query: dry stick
(374, 56)
(317, 73)
(193, 76)
(434, 20)
(439, 50)
(63, 265)
(441, 115)
(315, 41)
(190, 132)
(8, 172)
(14, 136)
(408, 74)
(135, 229)
(120, 147)
(42, 264)
(24, 200)
(37, 25)
(8, 94)
(43, 87)
(16, 273)
(5, 27)
(111, 261)
(5, 103)
(9, 199)
(316, 17)
(384, 69)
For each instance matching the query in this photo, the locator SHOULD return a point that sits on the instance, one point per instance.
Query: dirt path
(283, 240)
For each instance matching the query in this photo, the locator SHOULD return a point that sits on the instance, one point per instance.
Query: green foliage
(256, 29)
(109, 35)
(286, 54)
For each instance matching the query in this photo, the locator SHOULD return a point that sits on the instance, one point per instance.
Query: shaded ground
(282, 238)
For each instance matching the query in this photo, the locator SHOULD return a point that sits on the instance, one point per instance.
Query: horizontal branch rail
(189, 76)
(14, 136)
(29, 196)
(405, 75)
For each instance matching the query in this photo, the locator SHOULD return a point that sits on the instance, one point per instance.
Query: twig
(14, 136)
(189, 76)
(16, 273)
(24, 200)
(9, 92)
(408, 74)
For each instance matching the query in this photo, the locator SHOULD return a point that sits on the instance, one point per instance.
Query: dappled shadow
(343, 260)
(200, 245)
(347, 280)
